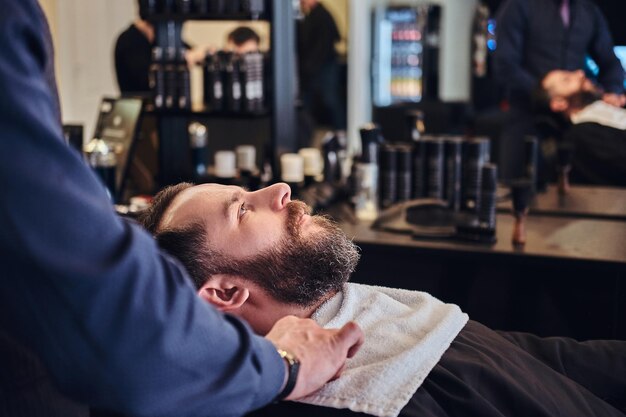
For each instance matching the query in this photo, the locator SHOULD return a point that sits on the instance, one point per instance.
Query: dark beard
(299, 270)
(582, 99)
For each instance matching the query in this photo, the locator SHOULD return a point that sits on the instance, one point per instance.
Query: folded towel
(406, 333)
(602, 113)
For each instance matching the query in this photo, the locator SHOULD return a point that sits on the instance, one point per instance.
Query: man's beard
(583, 98)
(300, 270)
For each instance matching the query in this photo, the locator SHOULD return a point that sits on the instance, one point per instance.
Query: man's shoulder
(130, 34)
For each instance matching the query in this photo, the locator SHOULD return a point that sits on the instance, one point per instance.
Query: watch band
(293, 366)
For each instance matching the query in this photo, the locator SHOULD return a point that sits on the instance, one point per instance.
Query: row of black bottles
(170, 80)
(155, 8)
(444, 168)
(234, 82)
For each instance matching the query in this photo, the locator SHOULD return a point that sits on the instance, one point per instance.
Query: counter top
(574, 239)
(581, 201)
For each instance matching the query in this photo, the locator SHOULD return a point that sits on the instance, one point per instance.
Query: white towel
(602, 113)
(406, 333)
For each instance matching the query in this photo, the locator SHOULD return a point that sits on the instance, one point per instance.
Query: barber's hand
(618, 100)
(322, 352)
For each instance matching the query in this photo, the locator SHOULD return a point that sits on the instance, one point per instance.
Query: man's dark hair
(187, 244)
(242, 35)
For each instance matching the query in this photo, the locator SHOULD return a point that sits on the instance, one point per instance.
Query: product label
(217, 90)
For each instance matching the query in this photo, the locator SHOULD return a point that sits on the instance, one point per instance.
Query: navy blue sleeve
(601, 50)
(511, 30)
(115, 320)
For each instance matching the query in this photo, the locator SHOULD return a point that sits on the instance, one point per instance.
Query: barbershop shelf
(549, 239)
(225, 17)
(204, 112)
(603, 203)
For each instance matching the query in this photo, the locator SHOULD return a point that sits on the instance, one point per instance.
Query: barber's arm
(115, 321)
(512, 30)
(611, 75)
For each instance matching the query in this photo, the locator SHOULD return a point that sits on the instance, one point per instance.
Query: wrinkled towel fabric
(603, 114)
(406, 333)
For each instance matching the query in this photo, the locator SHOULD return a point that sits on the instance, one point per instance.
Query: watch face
(292, 377)
(288, 356)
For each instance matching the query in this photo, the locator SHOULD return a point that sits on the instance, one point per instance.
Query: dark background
(614, 11)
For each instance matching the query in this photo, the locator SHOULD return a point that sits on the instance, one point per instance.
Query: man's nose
(279, 195)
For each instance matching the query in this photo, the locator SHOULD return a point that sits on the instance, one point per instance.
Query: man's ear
(558, 104)
(225, 292)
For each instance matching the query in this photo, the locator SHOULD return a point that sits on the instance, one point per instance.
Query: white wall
(84, 34)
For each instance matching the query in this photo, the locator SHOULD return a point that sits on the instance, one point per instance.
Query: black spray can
(453, 155)
(388, 175)
(156, 78)
(405, 171)
(434, 167)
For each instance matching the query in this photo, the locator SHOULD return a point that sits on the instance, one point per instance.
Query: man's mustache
(295, 210)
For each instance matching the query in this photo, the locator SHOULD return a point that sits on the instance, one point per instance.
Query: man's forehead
(552, 78)
(192, 202)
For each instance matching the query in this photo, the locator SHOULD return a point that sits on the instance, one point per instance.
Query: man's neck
(264, 311)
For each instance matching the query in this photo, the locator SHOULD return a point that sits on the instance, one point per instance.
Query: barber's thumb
(353, 337)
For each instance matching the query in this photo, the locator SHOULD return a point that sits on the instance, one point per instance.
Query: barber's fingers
(322, 352)
(614, 99)
(353, 336)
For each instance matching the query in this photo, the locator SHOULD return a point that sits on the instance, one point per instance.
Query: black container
(388, 175)
(148, 8)
(405, 171)
(183, 6)
(168, 6)
(201, 6)
(229, 65)
(370, 141)
(183, 91)
(473, 161)
(419, 169)
(434, 167)
(171, 86)
(198, 144)
(254, 7)
(331, 158)
(485, 144)
(489, 183)
(156, 77)
(216, 6)
(453, 149)
(232, 7)
(251, 74)
(213, 85)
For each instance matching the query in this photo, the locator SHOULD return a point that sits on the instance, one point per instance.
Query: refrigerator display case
(405, 54)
